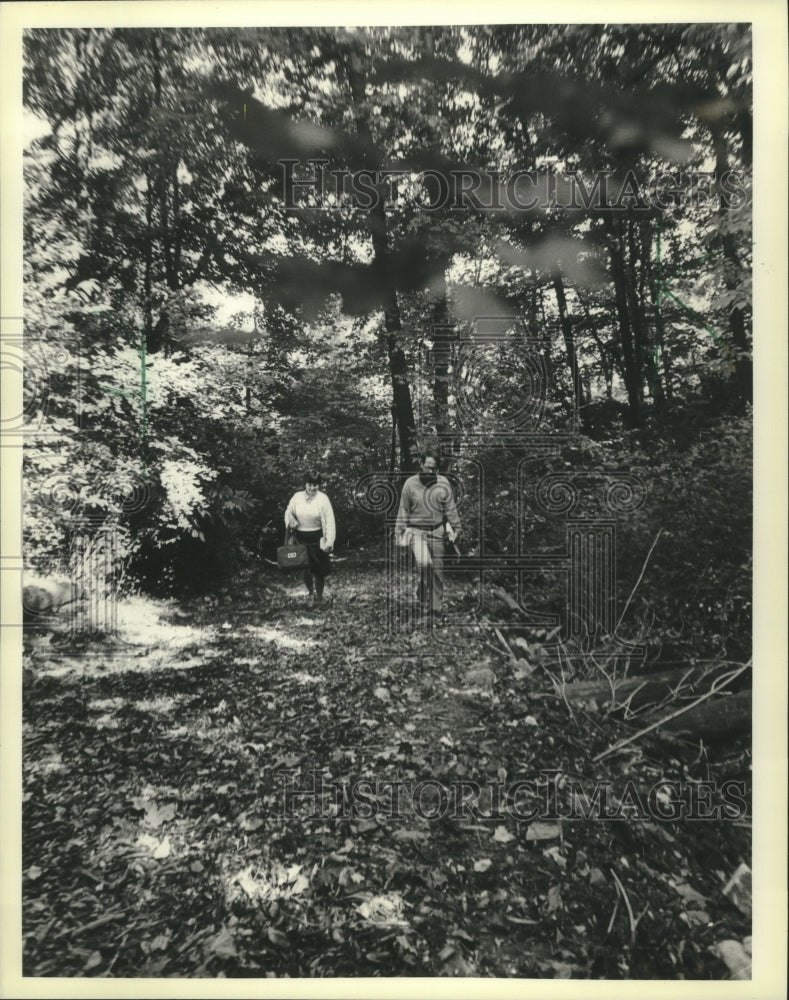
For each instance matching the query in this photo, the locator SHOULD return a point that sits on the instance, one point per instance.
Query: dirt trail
(256, 786)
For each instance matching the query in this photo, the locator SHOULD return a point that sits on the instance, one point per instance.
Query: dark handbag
(291, 555)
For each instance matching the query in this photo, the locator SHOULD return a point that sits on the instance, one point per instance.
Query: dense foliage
(193, 344)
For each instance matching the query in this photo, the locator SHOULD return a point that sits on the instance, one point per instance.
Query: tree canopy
(214, 328)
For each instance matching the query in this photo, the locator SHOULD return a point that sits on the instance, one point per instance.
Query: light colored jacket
(311, 514)
(426, 506)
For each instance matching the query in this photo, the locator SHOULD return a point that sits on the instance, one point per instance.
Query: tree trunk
(660, 330)
(398, 367)
(630, 372)
(606, 363)
(401, 391)
(645, 361)
(393, 453)
(641, 690)
(441, 331)
(546, 340)
(161, 331)
(717, 719)
(162, 180)
(148, 274)
(569, 339)
(440, 312)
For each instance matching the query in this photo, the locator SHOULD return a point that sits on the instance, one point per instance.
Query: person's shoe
(317, 598)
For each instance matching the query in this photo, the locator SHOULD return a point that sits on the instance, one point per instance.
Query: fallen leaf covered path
(250, 786)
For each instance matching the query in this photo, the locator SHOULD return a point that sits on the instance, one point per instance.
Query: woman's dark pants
(318, 565)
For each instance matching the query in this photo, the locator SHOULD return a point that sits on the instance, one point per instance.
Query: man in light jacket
(427, 513)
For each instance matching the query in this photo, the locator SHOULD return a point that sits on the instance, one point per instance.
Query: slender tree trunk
(393, 454)
(441, 331)
(533, 305)
(161, 180)
(546, 338)
(605, 361)
(634, 312)
(617, 361)
(177, 220)
(161, 331)
(569, 339)
(660, 329)
(401, 391)
(148, 274)
(645, 360)
(440, 312)
(630, 372)
(79, 159)
(249, 374)
(398, 366)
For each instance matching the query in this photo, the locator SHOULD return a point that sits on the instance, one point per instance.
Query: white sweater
(311, 514)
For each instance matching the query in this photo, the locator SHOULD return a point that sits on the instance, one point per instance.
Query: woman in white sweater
(309, 516)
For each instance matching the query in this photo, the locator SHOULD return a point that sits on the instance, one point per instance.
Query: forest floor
(164, 835)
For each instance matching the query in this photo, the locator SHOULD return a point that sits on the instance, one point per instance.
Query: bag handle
(288, 534)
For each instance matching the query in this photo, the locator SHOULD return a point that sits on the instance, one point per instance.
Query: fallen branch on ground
(716, 687)
(651, 689)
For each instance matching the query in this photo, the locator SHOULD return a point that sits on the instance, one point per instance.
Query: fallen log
(716, 719)
(640, 690)
(663, 721)
(711, 719)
